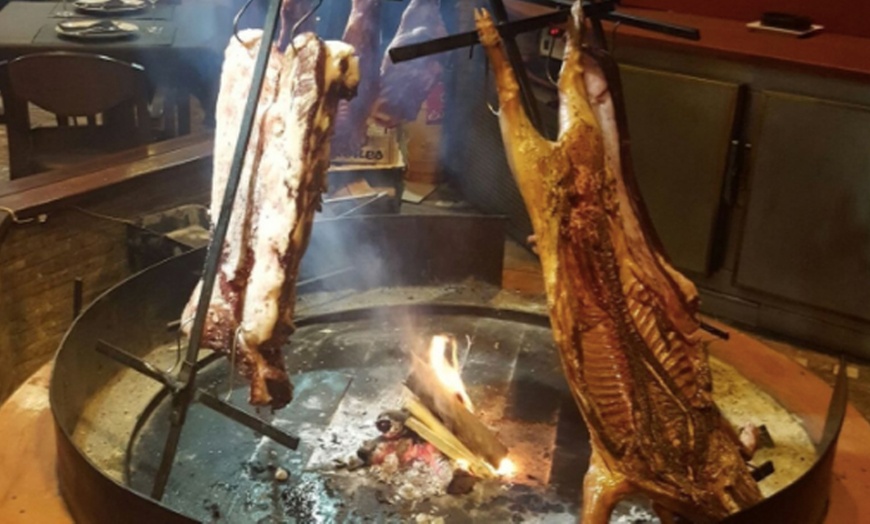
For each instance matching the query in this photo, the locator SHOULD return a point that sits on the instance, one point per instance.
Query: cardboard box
(382, 148)
(380, 166)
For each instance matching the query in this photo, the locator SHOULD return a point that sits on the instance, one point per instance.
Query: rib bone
(624, 320)
(281, 183)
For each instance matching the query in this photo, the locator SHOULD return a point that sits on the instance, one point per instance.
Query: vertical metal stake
(187, 376)
(78, 292)
(516, 60)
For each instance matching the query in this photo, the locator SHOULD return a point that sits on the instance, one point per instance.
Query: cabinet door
(680, 129)
(807, 230)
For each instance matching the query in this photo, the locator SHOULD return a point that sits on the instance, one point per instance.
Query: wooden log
(431, 430)
(468, 428)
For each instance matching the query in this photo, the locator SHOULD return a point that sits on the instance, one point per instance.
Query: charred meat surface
(624, 320)
(404, 86)
(251, 310)
(363, 33)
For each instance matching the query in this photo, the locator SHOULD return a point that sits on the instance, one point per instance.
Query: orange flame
(445, 367)
(506, 468)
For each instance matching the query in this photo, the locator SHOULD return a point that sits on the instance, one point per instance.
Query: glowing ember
(506, 468)
(445, 367)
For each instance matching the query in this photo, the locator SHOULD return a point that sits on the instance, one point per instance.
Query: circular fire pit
(350, 358)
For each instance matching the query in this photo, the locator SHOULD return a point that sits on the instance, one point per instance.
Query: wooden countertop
(826, 54)
(34, 194)
(29, 492)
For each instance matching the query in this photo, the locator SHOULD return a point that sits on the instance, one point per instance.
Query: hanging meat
(295, 19)
(250, 314)
(404, 86)
(363, 33)
(624, 320)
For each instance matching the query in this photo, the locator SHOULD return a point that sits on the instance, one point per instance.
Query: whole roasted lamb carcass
(250, 314)
(624, 320)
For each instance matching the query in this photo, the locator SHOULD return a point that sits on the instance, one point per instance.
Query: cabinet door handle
(737, 153)
(729, 192)
(736, 148)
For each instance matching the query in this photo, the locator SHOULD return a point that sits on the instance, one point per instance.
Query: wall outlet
(552, 44)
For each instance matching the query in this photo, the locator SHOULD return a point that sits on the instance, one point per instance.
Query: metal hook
(550, 77)
(584, 28)
(613, 36)
(238, 17)
(15, 218)
(233, 361)
(178, 343)
(486, 89)
(302, 20)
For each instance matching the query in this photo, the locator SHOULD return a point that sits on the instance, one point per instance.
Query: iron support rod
(304, 285)
(137, 364)
(679, 31)
(368, 202)
(604, 10)
(206, 398)
(598, 38)
(210, 401)
(837, 406)
(713, 330)
(187, 376)
(470, 38)
(516, 60)
(666, 28)
(78, 294)
(763, 471)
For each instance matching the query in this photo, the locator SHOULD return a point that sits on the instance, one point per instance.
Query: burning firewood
(435, 435)
(424, 423)
(449, 403)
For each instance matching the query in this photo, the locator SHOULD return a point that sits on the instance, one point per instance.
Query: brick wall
(39, 262)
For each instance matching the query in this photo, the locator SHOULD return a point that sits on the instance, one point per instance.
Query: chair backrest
(74, 85)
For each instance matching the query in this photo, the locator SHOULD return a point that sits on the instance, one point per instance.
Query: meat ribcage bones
(624, 320)
(250, 314)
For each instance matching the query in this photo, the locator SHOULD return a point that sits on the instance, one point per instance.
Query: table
(188, 62)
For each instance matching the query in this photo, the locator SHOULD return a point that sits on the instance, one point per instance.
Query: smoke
(473, 156)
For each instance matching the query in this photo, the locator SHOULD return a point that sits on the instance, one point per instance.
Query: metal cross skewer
(516, 60)
(187, 375)
(595, 12)
(183, 386)
(602, 10)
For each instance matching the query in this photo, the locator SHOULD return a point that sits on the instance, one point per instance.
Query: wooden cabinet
(756, 177)
(806, 234)
(775, 231)
(681, 129)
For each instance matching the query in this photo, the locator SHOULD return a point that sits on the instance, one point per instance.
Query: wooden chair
(101, 105)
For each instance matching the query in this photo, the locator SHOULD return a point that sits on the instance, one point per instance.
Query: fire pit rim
(71, 459)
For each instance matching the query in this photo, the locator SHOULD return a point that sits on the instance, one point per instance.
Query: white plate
(77, 30)
(102, 6)
(758, 26)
